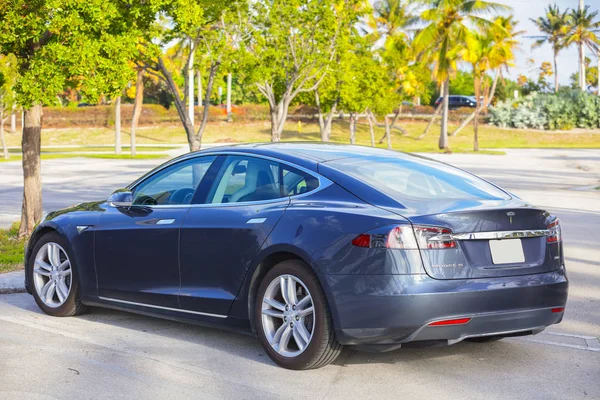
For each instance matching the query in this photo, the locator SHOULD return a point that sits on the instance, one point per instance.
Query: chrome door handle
(165, 221)
(256, 221)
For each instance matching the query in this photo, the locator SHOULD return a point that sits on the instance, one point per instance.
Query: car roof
(306, 154)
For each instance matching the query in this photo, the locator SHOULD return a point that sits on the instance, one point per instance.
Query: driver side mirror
(121, 198)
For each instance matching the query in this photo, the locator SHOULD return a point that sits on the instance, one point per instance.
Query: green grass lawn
(11, 249)
(221, 132)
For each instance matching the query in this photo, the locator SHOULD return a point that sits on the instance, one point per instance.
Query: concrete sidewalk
(12, 282)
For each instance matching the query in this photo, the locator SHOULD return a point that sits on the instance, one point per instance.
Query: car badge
(510, 216)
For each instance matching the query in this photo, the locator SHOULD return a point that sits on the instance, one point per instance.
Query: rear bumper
(395, 309)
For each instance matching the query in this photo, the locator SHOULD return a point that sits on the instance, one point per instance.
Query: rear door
(221, 235)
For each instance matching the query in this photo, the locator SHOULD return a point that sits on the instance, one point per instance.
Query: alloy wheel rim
(288, 318)
(52, 274)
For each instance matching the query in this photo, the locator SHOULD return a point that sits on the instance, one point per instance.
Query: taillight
(409, 238)
(554, 234)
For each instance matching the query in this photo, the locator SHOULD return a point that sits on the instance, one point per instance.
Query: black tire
(72, 305)
(323, 348)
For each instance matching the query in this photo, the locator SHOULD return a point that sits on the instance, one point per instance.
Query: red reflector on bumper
(558, 309)
(459, 321)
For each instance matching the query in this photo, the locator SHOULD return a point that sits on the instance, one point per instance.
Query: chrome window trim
(133, 303)
(497, 235)
(323, 182)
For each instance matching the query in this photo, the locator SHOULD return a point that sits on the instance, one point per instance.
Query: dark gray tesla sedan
(311, 247)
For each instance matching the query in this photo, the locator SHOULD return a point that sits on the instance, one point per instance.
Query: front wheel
(53, 275)
(292, 318)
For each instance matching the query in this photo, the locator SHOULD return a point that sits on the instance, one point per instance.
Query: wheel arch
(263, 264)
(38, 233)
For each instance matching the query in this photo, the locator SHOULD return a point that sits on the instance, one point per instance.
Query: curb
(12, 290)
(12, 282)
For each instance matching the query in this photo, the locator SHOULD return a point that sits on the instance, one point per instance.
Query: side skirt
(231, 324)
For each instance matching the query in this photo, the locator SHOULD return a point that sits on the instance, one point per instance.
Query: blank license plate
(507, 251)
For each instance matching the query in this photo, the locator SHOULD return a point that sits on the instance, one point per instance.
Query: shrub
(565, 110)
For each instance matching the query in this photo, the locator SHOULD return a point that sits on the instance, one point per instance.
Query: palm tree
(581, 28)
(555, 26)
(444, 39)
(491, 49)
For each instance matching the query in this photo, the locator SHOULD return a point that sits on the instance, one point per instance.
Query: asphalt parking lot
(108, 354)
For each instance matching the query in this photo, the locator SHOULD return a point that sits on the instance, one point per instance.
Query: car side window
(174, 185)
(296, 182)
(244, 179)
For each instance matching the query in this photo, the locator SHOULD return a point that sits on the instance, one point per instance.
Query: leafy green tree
(443, 40)
(293, 46)
(582, 28)
(83, 42)
(200, 27)
(555, 26)
(8, 76)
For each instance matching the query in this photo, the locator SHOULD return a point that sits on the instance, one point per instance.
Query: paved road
(109, 354)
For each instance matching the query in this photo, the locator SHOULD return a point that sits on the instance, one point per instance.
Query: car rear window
(417, 178)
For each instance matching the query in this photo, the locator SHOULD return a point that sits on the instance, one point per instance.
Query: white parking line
(589, 343)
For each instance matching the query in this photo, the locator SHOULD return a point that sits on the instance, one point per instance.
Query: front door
(136, 248)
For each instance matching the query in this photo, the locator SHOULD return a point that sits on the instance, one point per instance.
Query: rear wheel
(54, 277)
(292, 318)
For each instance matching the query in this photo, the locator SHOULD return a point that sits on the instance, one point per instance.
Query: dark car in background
(311, 247)
(455, 101)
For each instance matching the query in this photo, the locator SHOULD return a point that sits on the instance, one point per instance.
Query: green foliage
(293, 42)
(8, 78)
(462, 84)
(562, 111)
(85, 43)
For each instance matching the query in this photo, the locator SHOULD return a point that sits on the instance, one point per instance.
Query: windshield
(417, 178)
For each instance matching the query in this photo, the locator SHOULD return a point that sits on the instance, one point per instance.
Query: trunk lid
(492, 243)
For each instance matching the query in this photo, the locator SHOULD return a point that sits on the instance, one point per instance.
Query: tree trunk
(391, 127)
(118, 125)
(180, 106)
(274, 124)
(352, 128)
(371, 128)
(322, 127)
(197, 142)
(484, 106)
(434, 116)
(478, 82)
(582, 84)
(388, 129)
(13, 121)
(199, 79)
(137, 107)
(598, 71)
(31, 212)
(4, 148)
(555, 73)
(190, 82)
(443, 142)
(229, 116)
